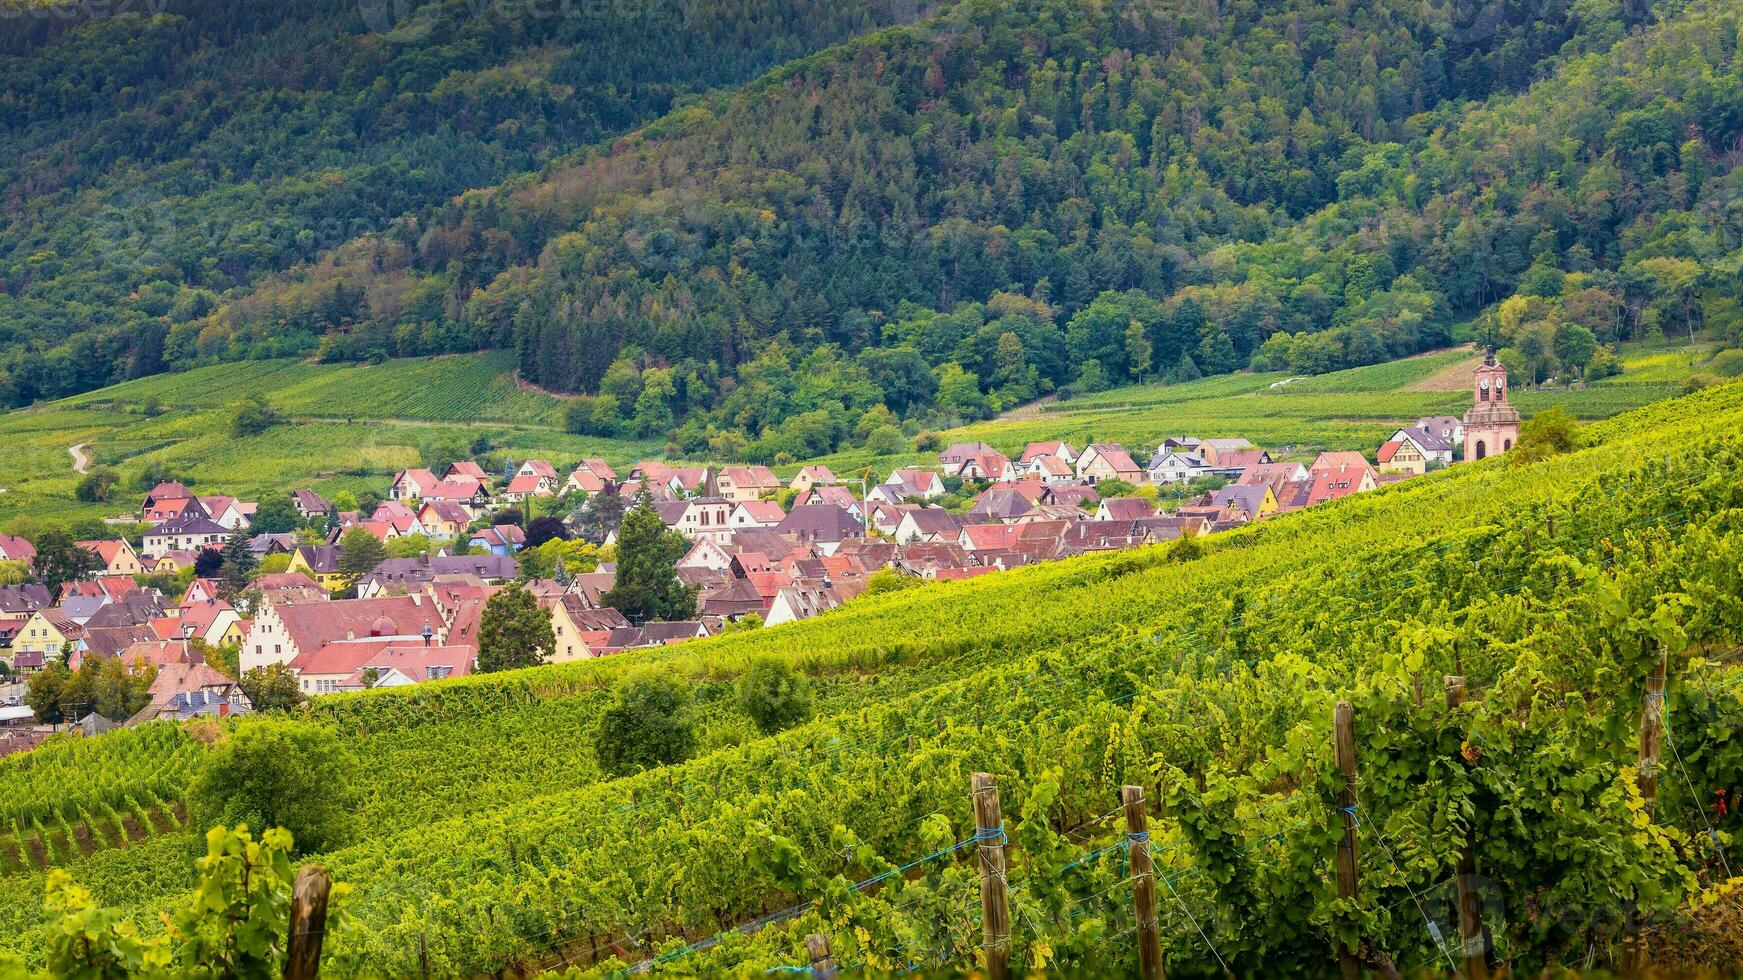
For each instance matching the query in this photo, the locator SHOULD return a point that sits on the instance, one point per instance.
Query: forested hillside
(980, 208)
(917, 227)
(157, 156)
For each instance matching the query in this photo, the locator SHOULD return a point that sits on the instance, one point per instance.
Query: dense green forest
(158, 156)
(929, 223)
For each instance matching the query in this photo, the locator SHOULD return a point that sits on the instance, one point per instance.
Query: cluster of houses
(409, 620)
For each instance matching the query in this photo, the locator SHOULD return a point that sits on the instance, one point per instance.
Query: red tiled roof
(417, 662)
(763, 511)
(158, 653)
(14, 548)
(540, 468)
(106, 550)
(587, 480)
(311, 624)
(1127, 508)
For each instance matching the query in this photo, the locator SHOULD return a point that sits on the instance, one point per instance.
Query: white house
(1429, 443)
(699, 517)
(752, 514)
(187, 533)
(926, 524)
(1169, 466)
(924, 484)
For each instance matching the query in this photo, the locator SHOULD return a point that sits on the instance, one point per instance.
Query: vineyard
(1563, 593)
(457, 388)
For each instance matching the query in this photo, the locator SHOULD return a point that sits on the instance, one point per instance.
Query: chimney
(350, 634)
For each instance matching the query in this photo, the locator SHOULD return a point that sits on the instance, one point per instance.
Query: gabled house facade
(117, 556)
(812, 476)
(190, 533)
(1107, 461)
(1175, 466)
(411, 484)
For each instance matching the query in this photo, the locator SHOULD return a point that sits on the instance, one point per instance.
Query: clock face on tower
(1485, 384)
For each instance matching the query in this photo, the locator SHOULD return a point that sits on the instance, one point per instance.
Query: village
(757, 551)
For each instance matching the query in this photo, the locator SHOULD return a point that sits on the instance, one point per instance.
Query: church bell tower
(1492, 424)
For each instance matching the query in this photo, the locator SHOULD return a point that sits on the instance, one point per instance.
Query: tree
(275, 515)
(1575, 346)
(253, 416)
(226, 660)
(747, 623)
(885, 441)
(648, 724)
(542, 529)
(774, 695)
(114, 690)
(1186, 370)
(513, 631)
(209, 562)
(598, 515)
(1138, 350)
(959, 391)
(647, 586)
(239, 562)
(59, 561)
(1091, 377)
(97, 486)
(276, 772)
(1111, 487)
(359, 553)
(272, 687)
(43, 692)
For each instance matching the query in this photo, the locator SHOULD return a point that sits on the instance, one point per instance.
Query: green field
(351, 428)
(354, 425)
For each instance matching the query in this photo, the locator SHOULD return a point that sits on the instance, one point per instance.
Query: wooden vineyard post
(308, 923)
(822, 960)
(1651, 737)
(1471, 960)
(1651, 741)
(995, 916)
(1344, 734)
(1143, 882)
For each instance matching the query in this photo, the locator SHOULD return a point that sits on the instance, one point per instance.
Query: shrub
(279, 773)
(647, 725)
(1548, 433)
(774, 695)
(1728, 363)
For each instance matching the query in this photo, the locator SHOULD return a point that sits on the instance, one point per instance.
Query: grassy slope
(357, 424)
(353, 426)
